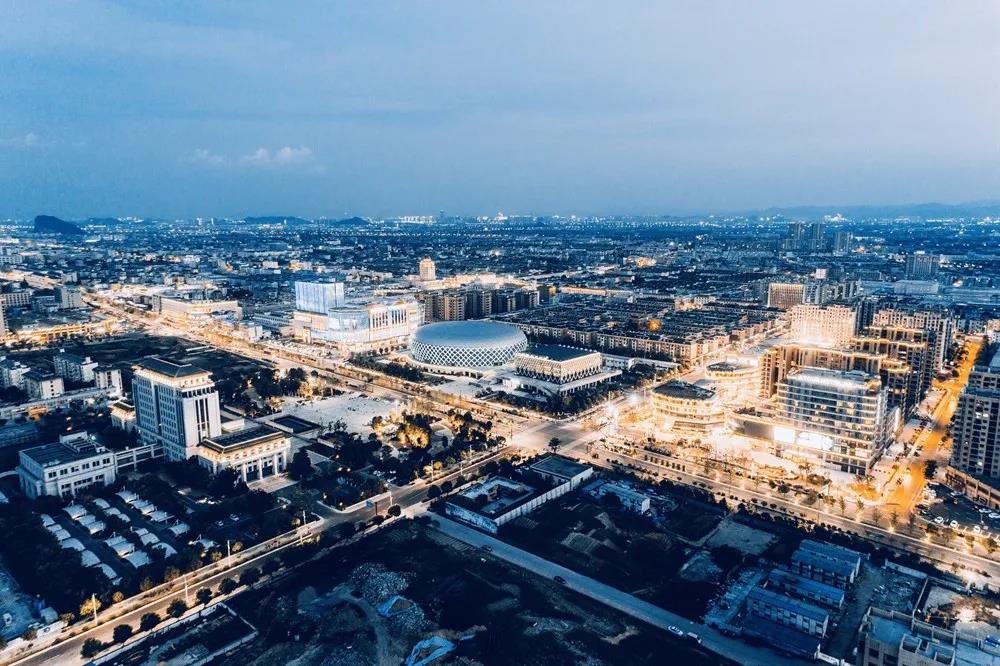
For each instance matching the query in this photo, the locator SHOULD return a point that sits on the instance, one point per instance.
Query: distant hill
(47, 224)
(278, 219)
(353, 221)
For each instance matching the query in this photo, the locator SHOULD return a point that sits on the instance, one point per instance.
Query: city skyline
(228, 110)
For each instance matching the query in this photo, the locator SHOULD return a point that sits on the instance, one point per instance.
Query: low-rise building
(558, 364)
(632, 500)
(891, 638)
(688, 409)
(255, 452)
(66, 467)
(499, 500)
(40, 386)
(12, 373)
(74, 368)
(826, 562)
(799, 615)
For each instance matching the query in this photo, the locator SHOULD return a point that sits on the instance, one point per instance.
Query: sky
(329, 108)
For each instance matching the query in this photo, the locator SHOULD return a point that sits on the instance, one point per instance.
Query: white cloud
(29, 140)
(285, 157)
(205, 156)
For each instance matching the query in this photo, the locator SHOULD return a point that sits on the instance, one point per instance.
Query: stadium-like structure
(467, 344)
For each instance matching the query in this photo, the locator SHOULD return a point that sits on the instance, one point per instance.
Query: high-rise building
(814, 236)
(796, 234)
(318, 297)
(785, 295)
(842, 241)
(940, 323)
(822, 324)
(976, 425)
(914, 349)
(70, 297)
(176, 406)
(428, 270)
(922, 266)
(838, 419)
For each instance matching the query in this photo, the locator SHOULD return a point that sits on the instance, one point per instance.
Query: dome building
(467, 345)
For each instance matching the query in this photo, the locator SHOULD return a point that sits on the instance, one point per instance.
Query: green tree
(394, 510)
(554, 444)
(176, 608)
(148, 621)
(122, 633)
(227, 586)
(91, 647)
(250, 576)
(300, 467)
(204, 595)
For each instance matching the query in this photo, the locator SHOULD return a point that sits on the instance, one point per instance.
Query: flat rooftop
(558, 352)
(678, 389)
(257, 434)
(58, 453)
(563, 468)
(170, 368)
(965, 650)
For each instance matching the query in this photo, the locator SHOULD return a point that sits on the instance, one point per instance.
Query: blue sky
(335, 108)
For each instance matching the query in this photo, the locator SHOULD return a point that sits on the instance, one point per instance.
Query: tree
(122, 633)
(345, 530)
(433, 492)
(117, 597)
(843, 505)
(30, 634)
(554, 444)
(148, 621)
(249, 577)
(90, 606)
(876, 515)
(146, 584)
(204, 595)
(91, 647)
(300, 467)
(227, 585)
(394, 511)
(894, 518)
(177, 608)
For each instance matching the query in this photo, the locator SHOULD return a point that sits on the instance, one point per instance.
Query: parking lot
(944, 507)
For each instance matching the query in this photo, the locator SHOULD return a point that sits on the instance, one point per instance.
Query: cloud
(262, 158)
(29, 140)
(205, 156)
(285, 156)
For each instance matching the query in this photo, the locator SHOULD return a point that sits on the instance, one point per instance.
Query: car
(676, 631)
(993, 515)
(984, 511)
(953, 523)
(977, 530)
(691, 636)
(559, 579)
(233, 517)
(939, 521)
(487, 547)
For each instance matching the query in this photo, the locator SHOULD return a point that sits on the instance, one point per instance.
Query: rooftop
(678, 389)
(58, 453)
(251, 436)
(559, 466)
(779, 600)
(169, 368)
(558, 352)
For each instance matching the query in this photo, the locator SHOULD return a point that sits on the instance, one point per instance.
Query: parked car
(560, 580)
(676, 631)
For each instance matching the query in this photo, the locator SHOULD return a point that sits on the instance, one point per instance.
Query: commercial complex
(467, 344)
(375, 327)
(837, 419)
(687, 409)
